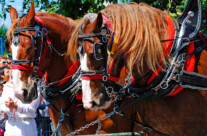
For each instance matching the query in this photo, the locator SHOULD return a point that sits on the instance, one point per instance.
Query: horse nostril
(25, 92)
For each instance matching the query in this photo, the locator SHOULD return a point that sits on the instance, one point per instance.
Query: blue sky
(17, 4)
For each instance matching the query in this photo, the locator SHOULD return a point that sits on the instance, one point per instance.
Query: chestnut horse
(134, 32)
(25, 44)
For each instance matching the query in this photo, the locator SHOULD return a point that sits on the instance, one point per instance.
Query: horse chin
(19, 96)
(98, 108)
(32, 96)
(29, 98)
(27, 94)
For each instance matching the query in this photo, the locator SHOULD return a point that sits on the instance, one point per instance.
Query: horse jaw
(87, 98)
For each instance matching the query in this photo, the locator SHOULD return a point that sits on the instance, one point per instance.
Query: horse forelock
(73, 42)
(139, 29)
(10, 32)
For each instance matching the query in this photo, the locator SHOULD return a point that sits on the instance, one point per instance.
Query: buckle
(27, 118)
(13, 119)
(105, 78)
(35, 69)
(44, 31)
(37, 28)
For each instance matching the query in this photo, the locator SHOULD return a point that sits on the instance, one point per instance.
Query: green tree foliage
(70, 8)
(77, 8)
(3, 31)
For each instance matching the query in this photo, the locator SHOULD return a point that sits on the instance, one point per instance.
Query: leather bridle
(99, 52)
(40, 33)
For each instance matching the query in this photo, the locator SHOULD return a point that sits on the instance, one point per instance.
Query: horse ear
(98, 22)
(31, 15)
(13, 14)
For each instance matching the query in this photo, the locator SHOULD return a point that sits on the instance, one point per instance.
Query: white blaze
(16, 73)
(86, 90)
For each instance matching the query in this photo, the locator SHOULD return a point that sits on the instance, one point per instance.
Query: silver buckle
(105, 78)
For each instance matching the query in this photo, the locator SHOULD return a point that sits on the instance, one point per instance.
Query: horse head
(23, 45)
(97, 81)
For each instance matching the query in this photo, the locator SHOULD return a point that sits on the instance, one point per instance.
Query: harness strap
(99, 76)
(107, 22)
(73, 68)
(168, 46)
(45, 32)
(68, 121)
(192, 80)
(19, 30)
(21, 67)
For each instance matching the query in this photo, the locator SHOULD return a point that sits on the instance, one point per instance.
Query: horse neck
(59, 31)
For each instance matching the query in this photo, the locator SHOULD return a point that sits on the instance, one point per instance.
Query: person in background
(7, 74)
(3, 60)
(3, 65)
(2, 115)
(20, 116)
(45, 118)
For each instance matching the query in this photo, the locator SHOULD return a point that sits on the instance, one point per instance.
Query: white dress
(19, 127)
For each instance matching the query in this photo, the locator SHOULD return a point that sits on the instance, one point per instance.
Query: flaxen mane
(139, 30)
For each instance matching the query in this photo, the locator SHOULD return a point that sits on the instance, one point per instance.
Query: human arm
(11, 105)
(4, 97)
(28, 108)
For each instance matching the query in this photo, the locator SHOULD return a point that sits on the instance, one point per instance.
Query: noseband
(99, 54)
(40, 32)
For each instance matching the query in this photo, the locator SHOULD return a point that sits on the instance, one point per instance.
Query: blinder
(98, 50)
